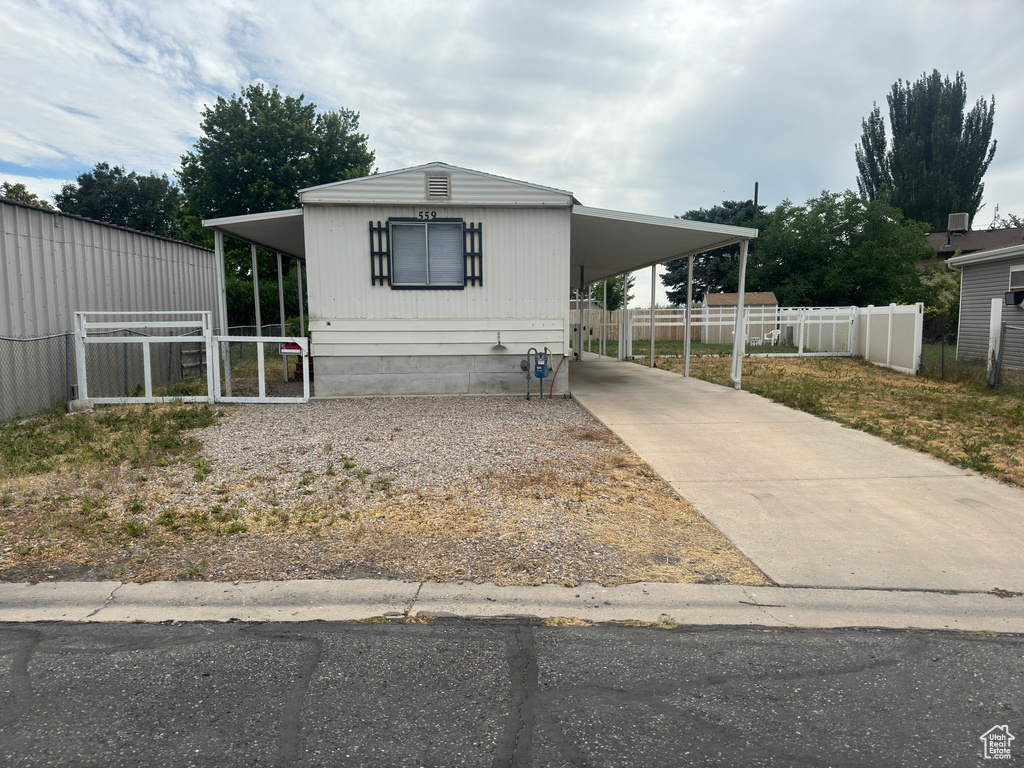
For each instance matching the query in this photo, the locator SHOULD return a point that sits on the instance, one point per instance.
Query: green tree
(839, 250)
(939, 153)
(618, 289)
(111, 194)
(713, 271)
(257, 150)
(19, 193)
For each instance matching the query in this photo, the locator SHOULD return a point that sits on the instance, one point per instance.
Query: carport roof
(605, 243)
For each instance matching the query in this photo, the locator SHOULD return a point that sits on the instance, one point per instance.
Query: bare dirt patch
(427, 489)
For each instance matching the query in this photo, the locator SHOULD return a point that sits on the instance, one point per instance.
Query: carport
(603, 244)
(607, 244)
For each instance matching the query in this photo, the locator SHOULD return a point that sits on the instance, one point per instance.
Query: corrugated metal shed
(54, 264)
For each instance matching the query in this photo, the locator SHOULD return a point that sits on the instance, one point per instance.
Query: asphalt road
(501, 693)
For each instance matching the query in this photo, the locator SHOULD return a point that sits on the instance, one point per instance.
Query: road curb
(680, 604)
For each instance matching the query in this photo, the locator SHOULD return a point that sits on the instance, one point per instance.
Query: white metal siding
(524, 292)
(410, 187)
(53, 265)
(981, 283)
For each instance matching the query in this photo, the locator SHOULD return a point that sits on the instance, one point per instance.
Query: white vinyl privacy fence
(889, 336)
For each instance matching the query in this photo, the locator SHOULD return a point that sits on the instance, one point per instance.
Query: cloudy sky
(641, 105)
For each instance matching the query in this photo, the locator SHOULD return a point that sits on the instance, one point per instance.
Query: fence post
(80, 355)
(67, 366)
(888, 347)
(995, 335)
(918, 332)
(854, 330)
(996, 368)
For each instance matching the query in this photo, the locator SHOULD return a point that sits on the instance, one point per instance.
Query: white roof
(278, 231)
(605, 243)
(406, 185)
(609, 243)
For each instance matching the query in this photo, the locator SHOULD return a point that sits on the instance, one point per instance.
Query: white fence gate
(173, 331)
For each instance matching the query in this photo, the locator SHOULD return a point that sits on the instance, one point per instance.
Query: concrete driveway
(812, 503)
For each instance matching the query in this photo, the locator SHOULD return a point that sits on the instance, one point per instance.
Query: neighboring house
(414, 274)
(984, 276)
(974, 241)
(721, 307)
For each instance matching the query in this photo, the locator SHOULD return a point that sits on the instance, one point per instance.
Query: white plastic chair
(772, 337)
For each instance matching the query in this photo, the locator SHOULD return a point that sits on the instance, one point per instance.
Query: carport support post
(689, 311)
(738, 340)
(280, 299)
(654, 276)
(222, 310)
(604, 316)
(302, 312)
(256, 291)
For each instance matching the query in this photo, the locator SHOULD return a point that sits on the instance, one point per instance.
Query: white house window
(428, 254)
(1017, 279)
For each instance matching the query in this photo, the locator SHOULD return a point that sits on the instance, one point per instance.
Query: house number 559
(425, 215)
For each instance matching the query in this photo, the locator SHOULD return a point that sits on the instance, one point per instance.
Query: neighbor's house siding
(53, 265)
(979, 284)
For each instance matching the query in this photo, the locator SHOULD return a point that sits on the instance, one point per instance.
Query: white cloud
(654, 105)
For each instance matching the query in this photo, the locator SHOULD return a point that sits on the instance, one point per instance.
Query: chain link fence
(36, 374)
(938, 351)
(39, 374)
(1008, 371)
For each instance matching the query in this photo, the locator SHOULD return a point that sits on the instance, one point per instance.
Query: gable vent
(438, 185)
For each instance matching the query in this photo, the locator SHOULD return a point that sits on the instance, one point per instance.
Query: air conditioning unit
(959, 222)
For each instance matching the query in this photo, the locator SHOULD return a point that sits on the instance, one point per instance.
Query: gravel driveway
(424, 488)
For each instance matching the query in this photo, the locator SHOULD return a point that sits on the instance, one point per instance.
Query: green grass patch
(143, 436)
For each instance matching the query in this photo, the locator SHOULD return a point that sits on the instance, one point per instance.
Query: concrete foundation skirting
(428, 375)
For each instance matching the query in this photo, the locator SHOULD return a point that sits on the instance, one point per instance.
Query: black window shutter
(474, 254)
(380, 254)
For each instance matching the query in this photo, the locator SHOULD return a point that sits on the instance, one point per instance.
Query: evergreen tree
(939, 154)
